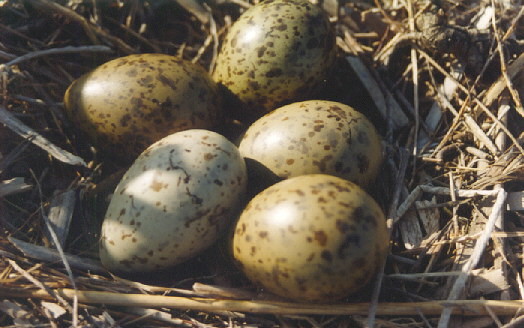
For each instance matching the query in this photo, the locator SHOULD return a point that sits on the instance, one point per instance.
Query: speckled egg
(315, 136)
(311, 238)
(276, 52)
(173, 202)
(130, 102)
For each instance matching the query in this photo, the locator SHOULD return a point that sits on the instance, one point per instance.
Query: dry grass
(452, 185)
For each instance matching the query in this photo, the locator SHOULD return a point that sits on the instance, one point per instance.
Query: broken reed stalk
(459, 307)
(15, 125)
(478, 250)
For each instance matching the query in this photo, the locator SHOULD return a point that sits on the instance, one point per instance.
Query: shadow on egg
(260, 177)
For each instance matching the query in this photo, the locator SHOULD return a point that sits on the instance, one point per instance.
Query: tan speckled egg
(277, 51)
(173, 202)
(311, 238)
(130, 102)
(315, 136)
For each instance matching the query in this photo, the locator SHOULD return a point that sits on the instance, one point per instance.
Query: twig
(135, 34)
(202, 49)
(57, 8)
(350, 44)
(398, 39)
(461, 307)
(92, 31)
(414, 76)
(477, 132)
(212, 37)
(414, 276)
(49, 292)
(6, 55)
(419, 190)
(477, 101)
(494, 317)
(496, 88)
(222, 292)
(26, 132)
(156, 315)
(241, 3)
(74, 310)
(195, 8)
(480, 245)
(55, 51)
(463, 193)
(213, 31)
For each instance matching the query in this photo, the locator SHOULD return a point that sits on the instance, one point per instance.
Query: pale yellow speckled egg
(315, 136)
(311, 238)
(173, 202)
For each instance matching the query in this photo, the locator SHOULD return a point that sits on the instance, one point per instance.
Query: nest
(442, 84)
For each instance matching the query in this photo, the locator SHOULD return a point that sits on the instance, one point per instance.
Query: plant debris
(442, 81)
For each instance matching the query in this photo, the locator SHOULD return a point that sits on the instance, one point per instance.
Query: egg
(315, 238)
(315, 136)
(277, 51)
(173, 202)
(126, 104)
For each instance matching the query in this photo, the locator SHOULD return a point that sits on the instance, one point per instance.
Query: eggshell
(277, 51)
(311, 238)
(173, 202)
(126, 104)
(315, 136)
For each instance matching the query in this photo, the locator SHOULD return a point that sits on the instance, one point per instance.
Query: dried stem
(26, 132)
(54, 51)
(480, 245)
(462, 307)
